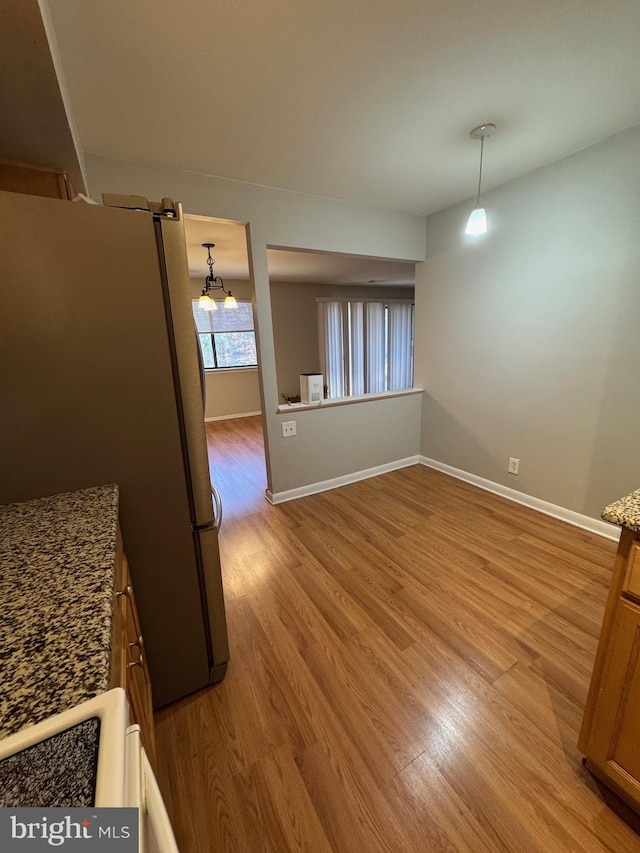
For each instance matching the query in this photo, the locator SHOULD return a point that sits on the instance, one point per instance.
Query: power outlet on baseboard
(514, 465)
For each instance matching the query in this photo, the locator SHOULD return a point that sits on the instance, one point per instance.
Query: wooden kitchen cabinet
(129, 668)
(610, 736)
(34, 180)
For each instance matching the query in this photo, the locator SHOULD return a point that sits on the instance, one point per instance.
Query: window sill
(212, 371)
(347, 401)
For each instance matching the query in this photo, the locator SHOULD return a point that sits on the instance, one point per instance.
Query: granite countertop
(57, 562)
(625, 512)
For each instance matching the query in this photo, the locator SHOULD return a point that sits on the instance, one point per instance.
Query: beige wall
(332, 441)
(235, 392)
(295, 325)
(231, 393)
(528, 339)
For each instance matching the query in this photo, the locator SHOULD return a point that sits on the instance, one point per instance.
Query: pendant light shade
(477, 222)
(206, 303)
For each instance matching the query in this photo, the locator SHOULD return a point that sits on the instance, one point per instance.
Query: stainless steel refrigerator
(100, 383)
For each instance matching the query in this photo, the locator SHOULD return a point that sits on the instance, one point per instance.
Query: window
(227, 337)
(367, 346)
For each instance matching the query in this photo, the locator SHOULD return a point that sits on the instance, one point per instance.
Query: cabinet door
(138, 680)
(613, 751)
(119, 654)
(631, 583)
(34, 180)
(129, 668)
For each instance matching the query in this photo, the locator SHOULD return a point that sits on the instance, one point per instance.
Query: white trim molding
(593, 525)
(336, 482)
(231, 417)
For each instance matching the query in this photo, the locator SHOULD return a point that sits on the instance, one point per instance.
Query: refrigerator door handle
(203, 386)
(217, 503)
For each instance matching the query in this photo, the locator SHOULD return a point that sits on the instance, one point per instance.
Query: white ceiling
(364, 100)
(230, 254)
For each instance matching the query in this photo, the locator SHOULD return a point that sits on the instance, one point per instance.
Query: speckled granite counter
(57, 560)
(625, 512)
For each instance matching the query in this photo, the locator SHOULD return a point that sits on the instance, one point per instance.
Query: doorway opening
(299, 280)
(227, 340)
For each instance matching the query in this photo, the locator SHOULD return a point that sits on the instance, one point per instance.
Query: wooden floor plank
(292, 806)
(436, 818)
(410, 658)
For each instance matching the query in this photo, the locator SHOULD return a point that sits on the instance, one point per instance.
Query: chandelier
(212, 283)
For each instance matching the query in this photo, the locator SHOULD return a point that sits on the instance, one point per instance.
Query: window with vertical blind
(367, 345)
(227, 337)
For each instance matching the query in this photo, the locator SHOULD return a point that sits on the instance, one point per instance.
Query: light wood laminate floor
(410, 658)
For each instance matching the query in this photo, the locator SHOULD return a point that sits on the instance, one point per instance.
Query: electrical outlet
(288, 428)
(513, 466)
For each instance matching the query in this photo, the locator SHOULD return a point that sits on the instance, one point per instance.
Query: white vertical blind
(375, 347)
(334, 363)
(400, 345)
(367, 346)
(356, 349)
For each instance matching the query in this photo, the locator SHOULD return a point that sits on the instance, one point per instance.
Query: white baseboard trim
(593, 525)
(326, 485)
(232, 417)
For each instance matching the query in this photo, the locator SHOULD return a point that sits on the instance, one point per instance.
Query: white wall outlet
(513, 466)
(288, 428)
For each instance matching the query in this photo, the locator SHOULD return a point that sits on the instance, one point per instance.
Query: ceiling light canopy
(214, 282)
(477, 222)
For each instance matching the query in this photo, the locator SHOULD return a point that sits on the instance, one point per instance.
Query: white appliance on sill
(124, 775)
(311, 390)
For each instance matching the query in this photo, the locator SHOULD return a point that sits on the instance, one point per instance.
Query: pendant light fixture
(214, 282)
(477, 222)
